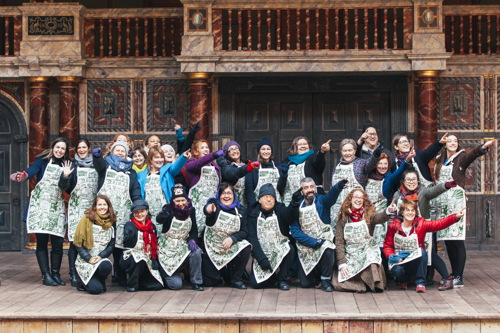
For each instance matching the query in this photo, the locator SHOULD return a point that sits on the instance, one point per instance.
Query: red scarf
(408, 195)
(148, 235)
(356, 214)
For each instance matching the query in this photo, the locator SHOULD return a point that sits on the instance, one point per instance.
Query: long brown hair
(368, 207)
(442, 156)
(92, 211)
(49, 153)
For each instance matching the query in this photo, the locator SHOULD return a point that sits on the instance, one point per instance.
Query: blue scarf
(300, 158)
(118, 164)
(235, 204)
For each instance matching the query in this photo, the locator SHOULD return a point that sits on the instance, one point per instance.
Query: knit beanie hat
(264, 142)
(229, 144)
(267, 189)
(179, 191)
(120, 143)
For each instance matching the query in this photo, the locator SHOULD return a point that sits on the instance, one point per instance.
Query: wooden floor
(26, 302)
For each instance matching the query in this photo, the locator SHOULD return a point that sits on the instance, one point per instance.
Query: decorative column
(199, 99)
(427, 105)
(68, 110)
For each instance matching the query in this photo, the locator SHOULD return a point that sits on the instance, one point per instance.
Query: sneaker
(458, 282)
(446, 284)
(420, 288)
(403, 286)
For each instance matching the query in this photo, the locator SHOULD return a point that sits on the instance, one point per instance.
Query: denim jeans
(414, 270)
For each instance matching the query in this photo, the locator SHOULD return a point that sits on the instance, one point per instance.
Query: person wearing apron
(46, 216)
(94, 241)
(451, 164)
(404, 244)
(177, 243)
(314, 234)
(140, 256)
(226, 250)
(268, 232)
(358, 255)
(233, 170)
(268, 172)
(303, 161)
(352, 168)
(369, 141)
(79, 179)
(139, 157)
(157, 180)
(203, 175)
(119, 137)
(117, 181)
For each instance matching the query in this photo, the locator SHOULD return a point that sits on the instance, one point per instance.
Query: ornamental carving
(108, 103)
(51, 25)
(459, 103)
(167, 104)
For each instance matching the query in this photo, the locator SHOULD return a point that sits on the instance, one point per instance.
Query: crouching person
(177, 243)
(140, 256)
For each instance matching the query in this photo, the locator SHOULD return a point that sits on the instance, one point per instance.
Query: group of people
(168, 216)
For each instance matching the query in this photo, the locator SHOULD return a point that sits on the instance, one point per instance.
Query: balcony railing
(472, 34)
(10, 35)
(313, 29)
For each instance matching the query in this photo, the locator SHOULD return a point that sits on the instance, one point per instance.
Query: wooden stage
(28, 306)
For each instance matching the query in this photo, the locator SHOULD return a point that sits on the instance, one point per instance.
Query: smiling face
(101, 206)
(138, 158)
(302, 146)
(153, 140)
(180, 202)
(348, 152)
(372, 140)
(267, 201)
(309, 190)
(227, 197)
(383, 166)
(409, 214)
(158, 161)
(234, 153)
(59, 149)
(203, 149)
(357, 200)
(119, 151)
(169, 153)
(265, 153)
(451, 144)
(411, 181)
(141, 214)
(82, 150)
(403, 146)
(121, 138)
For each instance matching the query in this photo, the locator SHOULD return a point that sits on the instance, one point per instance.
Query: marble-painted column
(199, 99)
(427, 106)
(68, 110)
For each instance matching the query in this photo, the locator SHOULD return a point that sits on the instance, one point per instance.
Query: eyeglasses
(358, 198)
(226, 193)
(233, 149)
(402, 142)
(372, 134)
(411, 180)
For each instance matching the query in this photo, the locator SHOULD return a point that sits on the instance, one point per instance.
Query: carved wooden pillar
(199, 99)
(427, 106)
(68, 110)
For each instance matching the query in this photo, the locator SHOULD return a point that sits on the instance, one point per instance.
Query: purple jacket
(193, 168)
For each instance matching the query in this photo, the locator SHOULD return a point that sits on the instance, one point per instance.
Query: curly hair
(368, 207)
(407, 203)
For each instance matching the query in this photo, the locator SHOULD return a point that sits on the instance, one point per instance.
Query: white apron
(311, 224)
(410, 244)
(374, 191)
(101, 240)
(268, 176)
(199, 194)
(274, 245)
(295, 174)
(116, 188)
(138, 254)
(172, 245)
(360, 249)
(81, 197)
(155, 197)
(46, 212)
(226, 225)
(239, 188)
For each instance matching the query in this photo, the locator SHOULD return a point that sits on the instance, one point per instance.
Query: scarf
(375, 175)
(148, 235)
(86, 162)
(356, 214)
(235, 204)
(300, 158)
(137, 169)
(84, 236)
(265, 165)
(181, 213)
(400, 158)
(407, 194)
(119, 164)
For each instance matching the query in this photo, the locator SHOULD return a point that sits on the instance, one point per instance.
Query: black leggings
(458, 255)
(42, 241)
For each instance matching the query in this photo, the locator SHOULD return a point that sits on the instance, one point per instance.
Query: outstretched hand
(325, 146)
(487, 144)
(461, 213)
(443, 139)
(67, 169)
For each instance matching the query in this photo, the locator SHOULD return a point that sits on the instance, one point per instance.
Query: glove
(97, 152)
(379, 150)
(319, 242)
(192, 246)
(341, 183)
(394, 259)
(251, 166)
(217, 154)
(19, 176)
(404, 254)
(155, 264)
(297, 196)
(451, 184)
(195, 129)
(265, 265)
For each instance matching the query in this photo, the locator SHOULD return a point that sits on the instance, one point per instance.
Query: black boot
(72, 269)
(55, 260)
(43, 262)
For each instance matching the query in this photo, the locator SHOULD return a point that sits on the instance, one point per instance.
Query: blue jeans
(413, 270)
(174, 282)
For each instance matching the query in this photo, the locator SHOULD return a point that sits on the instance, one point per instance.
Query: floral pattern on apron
(361, 250)
(268, 176)
(374, 191)
(226, 225)
(199, 194)
(116, 188)
(138, 254)
(410, 244)
(101, 240)
(239, 188)
(155, 197)
(81, 197)
(46, 212)
(295, 174)
(274, 245)
(172, 245)
(311, 224)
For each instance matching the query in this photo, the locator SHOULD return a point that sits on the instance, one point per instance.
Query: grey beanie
(267, 189)
(120, 143)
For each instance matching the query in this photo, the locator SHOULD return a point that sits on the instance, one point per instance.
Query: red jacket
(420, 226)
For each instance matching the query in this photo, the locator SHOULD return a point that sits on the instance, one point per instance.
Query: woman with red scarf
(140, 257)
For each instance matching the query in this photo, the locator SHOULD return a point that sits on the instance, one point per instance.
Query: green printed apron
(239, 188)
(172, 246)
(343, 171)
(311, 224)
(199, 194)
(360, 249)
(273, 243)
(101, 240)
(116, 188)
(410, 244)
(421, 178)
(268, 176)
(46, 212)
(81, 197)
(226, 225)
(138, 254)
(295, 174)
(450, 202)
(374, 191)
(155, 197)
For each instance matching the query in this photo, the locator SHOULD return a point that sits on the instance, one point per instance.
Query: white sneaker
(458, 282)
